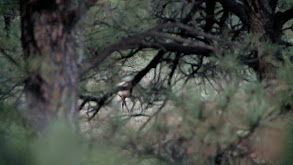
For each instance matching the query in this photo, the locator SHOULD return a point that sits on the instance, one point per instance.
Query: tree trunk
(262, 22)
(48, 43)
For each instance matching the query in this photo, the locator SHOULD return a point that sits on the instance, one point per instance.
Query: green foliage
(284, 4)
(285, 73)
(288, 146)
(219, 118)
(60, 146)
(14, 138)
(8, 7)
(110, 22)
(12, 70)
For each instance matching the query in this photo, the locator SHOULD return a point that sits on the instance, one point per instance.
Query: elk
(124, 92)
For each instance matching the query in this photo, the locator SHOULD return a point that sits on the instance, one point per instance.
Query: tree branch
(283, 17)
(179, 44)
(155, 61)
(237, 9)
(137, 41)
(102, 101)
(12, 60)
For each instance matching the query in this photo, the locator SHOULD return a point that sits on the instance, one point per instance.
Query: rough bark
(263, 24)
(261, 16)
(49, 51)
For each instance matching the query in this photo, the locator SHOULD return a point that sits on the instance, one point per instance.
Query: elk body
(124, 92)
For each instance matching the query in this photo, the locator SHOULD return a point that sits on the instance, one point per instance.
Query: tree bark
(261, 14)
(261, 17)
(48, 41)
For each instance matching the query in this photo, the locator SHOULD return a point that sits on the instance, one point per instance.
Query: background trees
(205, 76)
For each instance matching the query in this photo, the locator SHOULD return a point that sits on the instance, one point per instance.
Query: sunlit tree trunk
(49, 51)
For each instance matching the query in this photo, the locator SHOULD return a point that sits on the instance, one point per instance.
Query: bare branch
(283, 17)
(237, 9)
(137, 41)
(102, 101)
(12, 60)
